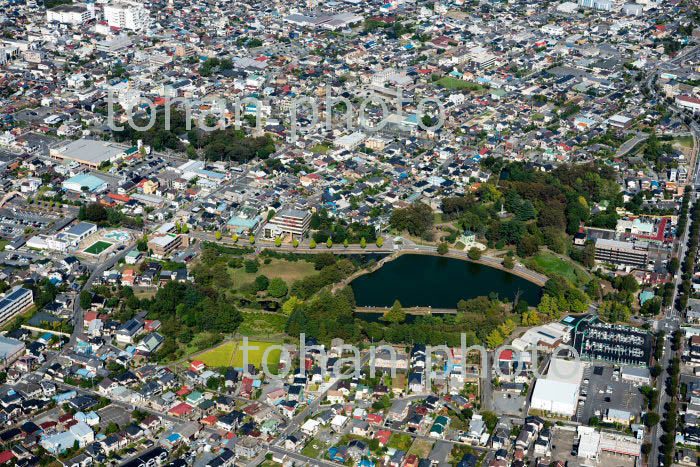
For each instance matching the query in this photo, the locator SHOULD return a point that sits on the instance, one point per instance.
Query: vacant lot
(454, 83)
(421, 448)
(231, 354)
(552, 264)
(97, 247)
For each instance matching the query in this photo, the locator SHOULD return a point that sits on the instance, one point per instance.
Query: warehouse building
(88, 153)
(557, 394)
(84, 182)
(15, 302)
(10, 350)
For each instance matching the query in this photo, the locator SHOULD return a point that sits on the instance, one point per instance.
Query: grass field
(314, 448)
(262, 324)
(552, 264)
(686, 141)
(287, 270)
(400, 441)
(454, 83)
(219, 356)
(421, 448)
(230, 354)
(97, 247)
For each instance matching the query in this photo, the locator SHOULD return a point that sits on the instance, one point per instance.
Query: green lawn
(3, 244)
(314, 449)
(400, 441)
(320, 149)
(97, 247)
(286, 270)
(454, 83)
(552, 264)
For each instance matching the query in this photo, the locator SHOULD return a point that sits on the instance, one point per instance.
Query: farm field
(231, 354)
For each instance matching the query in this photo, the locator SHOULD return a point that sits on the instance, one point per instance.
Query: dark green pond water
(439, 282)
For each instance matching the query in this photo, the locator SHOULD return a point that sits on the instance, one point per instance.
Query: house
(247, 447)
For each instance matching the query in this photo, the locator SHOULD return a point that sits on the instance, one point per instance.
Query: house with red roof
(6, 456)
(180, 410)
(383, 437)
(247, 388)
(197, 366)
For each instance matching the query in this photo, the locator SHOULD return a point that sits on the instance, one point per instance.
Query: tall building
(126, 16)
(292, 222)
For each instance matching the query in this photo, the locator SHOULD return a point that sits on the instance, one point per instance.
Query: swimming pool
(117, 236)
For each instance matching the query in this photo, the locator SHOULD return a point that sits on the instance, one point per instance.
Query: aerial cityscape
(393, 233)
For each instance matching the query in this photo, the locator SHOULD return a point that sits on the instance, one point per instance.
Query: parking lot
(563, 443)
(605, 391)
(508, 403)
(114, 414)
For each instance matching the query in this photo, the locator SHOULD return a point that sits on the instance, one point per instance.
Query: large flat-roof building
(633, 254)
(10, 350)
(557, 394)
(78, 232)
(84, 182)
(88, 153)
(164, 246)
(72, 14)
(14, 302)
(294, 222)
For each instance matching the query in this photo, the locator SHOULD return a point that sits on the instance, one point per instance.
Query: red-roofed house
(197, 366)
(247, 388)
(180, 410)
(375, 418)
(383, 437)
(6, 456)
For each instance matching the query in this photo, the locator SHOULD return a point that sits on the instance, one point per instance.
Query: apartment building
(621, 253)
(14, 302)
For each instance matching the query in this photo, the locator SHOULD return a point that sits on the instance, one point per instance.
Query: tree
(185, 228)
(508, 262)
(380, 242)
(85, 300)
(278, 242)
(295, 243)
(345, 243)
(251, 266)
(252, 239)
(262, 282)
(290, 305)
(652, 419)
(494, 339)
(277, 288)
(218, 235)
(329, 243)
(474, 253)
(312, 244)
(363, 242)
(235, 238)
(673, 265)
(443, 248)
(396, 314)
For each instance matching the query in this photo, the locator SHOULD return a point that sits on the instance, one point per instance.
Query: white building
(14, 302)
(126, 16)
(75, 14)
(558, 393)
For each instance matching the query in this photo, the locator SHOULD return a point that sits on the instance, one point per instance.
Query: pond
(438, 282)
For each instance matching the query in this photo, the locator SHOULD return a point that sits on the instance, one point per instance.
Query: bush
(474, 253)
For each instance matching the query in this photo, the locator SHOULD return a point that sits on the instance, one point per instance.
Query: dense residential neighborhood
(378, 234)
